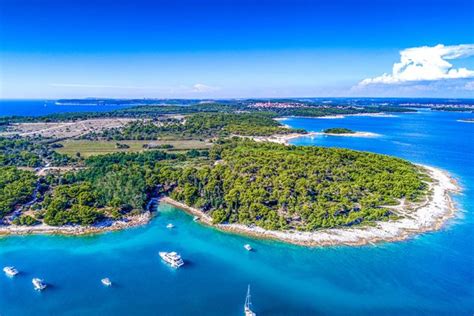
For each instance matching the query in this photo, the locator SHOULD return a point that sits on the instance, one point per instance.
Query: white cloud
(469, 86)
(426, 63)
(200, 88)
(94, 86)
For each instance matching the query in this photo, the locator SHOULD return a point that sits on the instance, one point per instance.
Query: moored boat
(248, 247)
(172, 258)
(10, 271)
(169, 226)
(106, 282)
(38, 284)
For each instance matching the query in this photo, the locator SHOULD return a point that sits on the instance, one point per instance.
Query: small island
(338, 130)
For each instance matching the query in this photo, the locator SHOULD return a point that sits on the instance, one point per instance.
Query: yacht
(38, 284)
(172, 258)
(106, 282)
(196, 218)
(247, 310)
(10, 271)
(170, 226)
(248, 247)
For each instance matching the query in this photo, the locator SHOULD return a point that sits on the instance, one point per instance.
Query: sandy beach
(427, 216)
(129, 222)
(280, 138)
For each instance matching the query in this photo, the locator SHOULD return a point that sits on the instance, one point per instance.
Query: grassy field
(89, 148)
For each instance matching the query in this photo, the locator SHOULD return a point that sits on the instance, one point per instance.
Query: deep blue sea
(45, 107)
(431, 274)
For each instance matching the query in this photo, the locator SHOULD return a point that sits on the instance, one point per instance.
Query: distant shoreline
(339, 116)
(428, 216)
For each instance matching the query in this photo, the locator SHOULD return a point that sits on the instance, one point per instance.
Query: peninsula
(218, 162)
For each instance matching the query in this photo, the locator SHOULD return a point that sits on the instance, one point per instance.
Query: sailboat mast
(247, 299)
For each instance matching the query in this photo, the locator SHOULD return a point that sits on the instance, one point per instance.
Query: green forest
(280, 187)
(29, 152)
(16, 187)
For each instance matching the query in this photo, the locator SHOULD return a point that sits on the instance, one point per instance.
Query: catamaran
(247, 310)
(172, 258)
(10, 271)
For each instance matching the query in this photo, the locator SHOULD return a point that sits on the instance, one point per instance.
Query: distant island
(79, 173)
(338, 130)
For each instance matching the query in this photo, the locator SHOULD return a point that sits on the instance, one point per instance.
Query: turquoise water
(431, 274)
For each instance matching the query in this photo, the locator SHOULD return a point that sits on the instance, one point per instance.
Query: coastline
(430, 215)
(75, 230)
(338, 116)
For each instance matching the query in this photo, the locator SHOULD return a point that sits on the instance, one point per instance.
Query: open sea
(431, 274)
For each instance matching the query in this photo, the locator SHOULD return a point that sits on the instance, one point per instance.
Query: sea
(429, 274)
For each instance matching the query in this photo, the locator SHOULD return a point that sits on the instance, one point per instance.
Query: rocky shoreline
(76, 230)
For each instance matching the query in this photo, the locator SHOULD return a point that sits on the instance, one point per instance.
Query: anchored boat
(247, 310)
(106, 282)
(10, 271)
(38, 284)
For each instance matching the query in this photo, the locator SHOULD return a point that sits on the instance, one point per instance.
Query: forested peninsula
(205, 159)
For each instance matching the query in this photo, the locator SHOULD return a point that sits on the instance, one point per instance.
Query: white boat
(169, 226)
(248, 247)
(247, 310)
(172, 258)
(38, 284)
(106, 282)
(10, 271)
(196, 218)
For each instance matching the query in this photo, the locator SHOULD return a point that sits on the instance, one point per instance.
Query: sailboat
(247, 310)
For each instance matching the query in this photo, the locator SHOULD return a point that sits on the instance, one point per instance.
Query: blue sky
(202, 49)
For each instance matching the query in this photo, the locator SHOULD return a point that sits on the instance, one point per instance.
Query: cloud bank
(200, 88)
(426, 63)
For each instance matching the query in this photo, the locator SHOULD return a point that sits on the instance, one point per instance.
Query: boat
(10, 271)
(196, 218)
(247, 310)
(106, 282)
(169, 226)
(38, 284)
(248, 247)
(172, 258)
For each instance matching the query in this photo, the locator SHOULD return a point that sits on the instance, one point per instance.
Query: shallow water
(430, 274)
